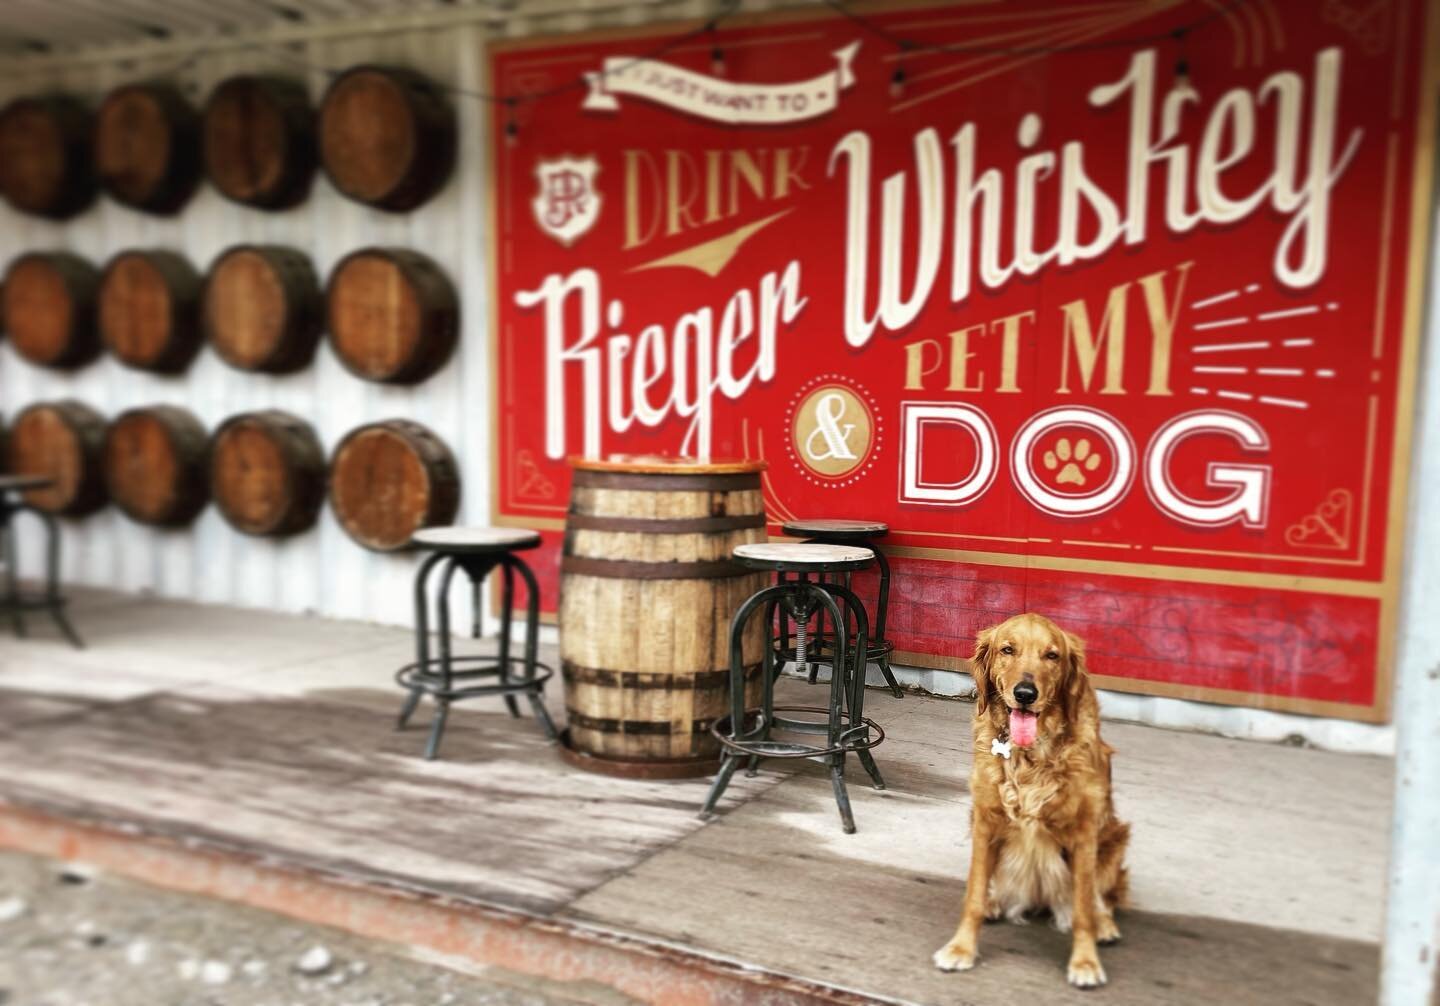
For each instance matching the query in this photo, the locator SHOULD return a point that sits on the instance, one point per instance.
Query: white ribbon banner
(718, 99)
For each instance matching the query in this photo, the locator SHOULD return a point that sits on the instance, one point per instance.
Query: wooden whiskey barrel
(387, 137)
(267, 473)
(647, 592)
(155, 465)
(393, 315)
(262, 309)
(63, 441)
(49, 308)
(45, 165)
(147, 147)
(148, 310)
(259, 141)
(389, 479)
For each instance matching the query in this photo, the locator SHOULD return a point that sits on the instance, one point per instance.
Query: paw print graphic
(1072, 464)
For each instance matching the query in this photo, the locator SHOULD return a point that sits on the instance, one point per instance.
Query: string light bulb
(1182, 66)
(717, 54)
(512, 128)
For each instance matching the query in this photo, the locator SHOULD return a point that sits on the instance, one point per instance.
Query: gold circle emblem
(832, 431)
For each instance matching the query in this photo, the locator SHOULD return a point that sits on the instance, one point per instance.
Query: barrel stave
(63, 441)
(646, 655)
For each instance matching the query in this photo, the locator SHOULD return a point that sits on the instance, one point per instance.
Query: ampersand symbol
(829, 408)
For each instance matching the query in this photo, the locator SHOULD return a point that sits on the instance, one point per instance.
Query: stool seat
(835, 530)
(475, 540)
(24, 483)
(788, 557)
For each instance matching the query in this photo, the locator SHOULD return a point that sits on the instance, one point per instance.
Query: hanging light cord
(909, 49)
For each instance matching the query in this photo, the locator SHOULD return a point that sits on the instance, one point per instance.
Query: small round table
(862, 533)
(13, 601)
(745, 734)
(477, 551)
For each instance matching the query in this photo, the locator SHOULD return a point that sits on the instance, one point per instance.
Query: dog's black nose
(1026, 693)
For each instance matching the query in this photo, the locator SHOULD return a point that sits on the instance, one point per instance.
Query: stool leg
(408, 709)
(12, 574)
(507, 604)
(812, 668)
(783, 628)
(839, 681)
(52, 580)
(882, 609)
(857, 681)
(437, 728)
(768, 675)
(722, 779)
(442, 701)
(57, 612)
(422, 637)
(532, 644)
(737, 690)
(842, 797)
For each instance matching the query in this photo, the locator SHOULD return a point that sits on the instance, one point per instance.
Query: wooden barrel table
(390, 479)
(148, 310)
(393, 315)
(259, 141)
(45, 166)
(262, 309)
(155, 465)
(64, 442)
(647, 592)
(267, 473)
(147, 147)
(387, 137)
(49, 308)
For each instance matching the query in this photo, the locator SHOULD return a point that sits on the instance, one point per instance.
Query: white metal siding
(321, 570)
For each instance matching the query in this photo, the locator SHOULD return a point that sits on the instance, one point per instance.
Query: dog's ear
(980, 668)
(1077, 676)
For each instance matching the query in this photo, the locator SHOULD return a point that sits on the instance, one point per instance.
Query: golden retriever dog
(1043, 825)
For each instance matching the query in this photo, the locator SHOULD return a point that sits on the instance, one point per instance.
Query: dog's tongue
(1022, 727)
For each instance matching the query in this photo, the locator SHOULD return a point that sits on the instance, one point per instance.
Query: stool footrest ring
(822, 650)
(417, 678)
(860, 736)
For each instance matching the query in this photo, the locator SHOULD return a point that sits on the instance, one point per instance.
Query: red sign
(1097, 336)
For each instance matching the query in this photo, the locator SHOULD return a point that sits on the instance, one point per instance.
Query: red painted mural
(1105, 319)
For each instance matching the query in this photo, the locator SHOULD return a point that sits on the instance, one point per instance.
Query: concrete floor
(1257, 870)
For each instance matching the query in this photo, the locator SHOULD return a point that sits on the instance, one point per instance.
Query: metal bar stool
(12, 601)
(859, 533)
(477, 551)
(745, 734)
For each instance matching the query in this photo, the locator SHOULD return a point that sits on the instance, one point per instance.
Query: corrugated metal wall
(323, 571)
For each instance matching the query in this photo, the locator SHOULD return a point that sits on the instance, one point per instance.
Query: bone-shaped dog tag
(999, 747)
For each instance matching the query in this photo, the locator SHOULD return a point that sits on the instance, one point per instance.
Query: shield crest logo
(567, 203)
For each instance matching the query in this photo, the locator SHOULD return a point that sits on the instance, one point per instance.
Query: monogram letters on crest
(566, 204)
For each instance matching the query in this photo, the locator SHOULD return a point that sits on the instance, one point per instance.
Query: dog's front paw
(1106, 931)
(954, 957)
(1086, 972)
